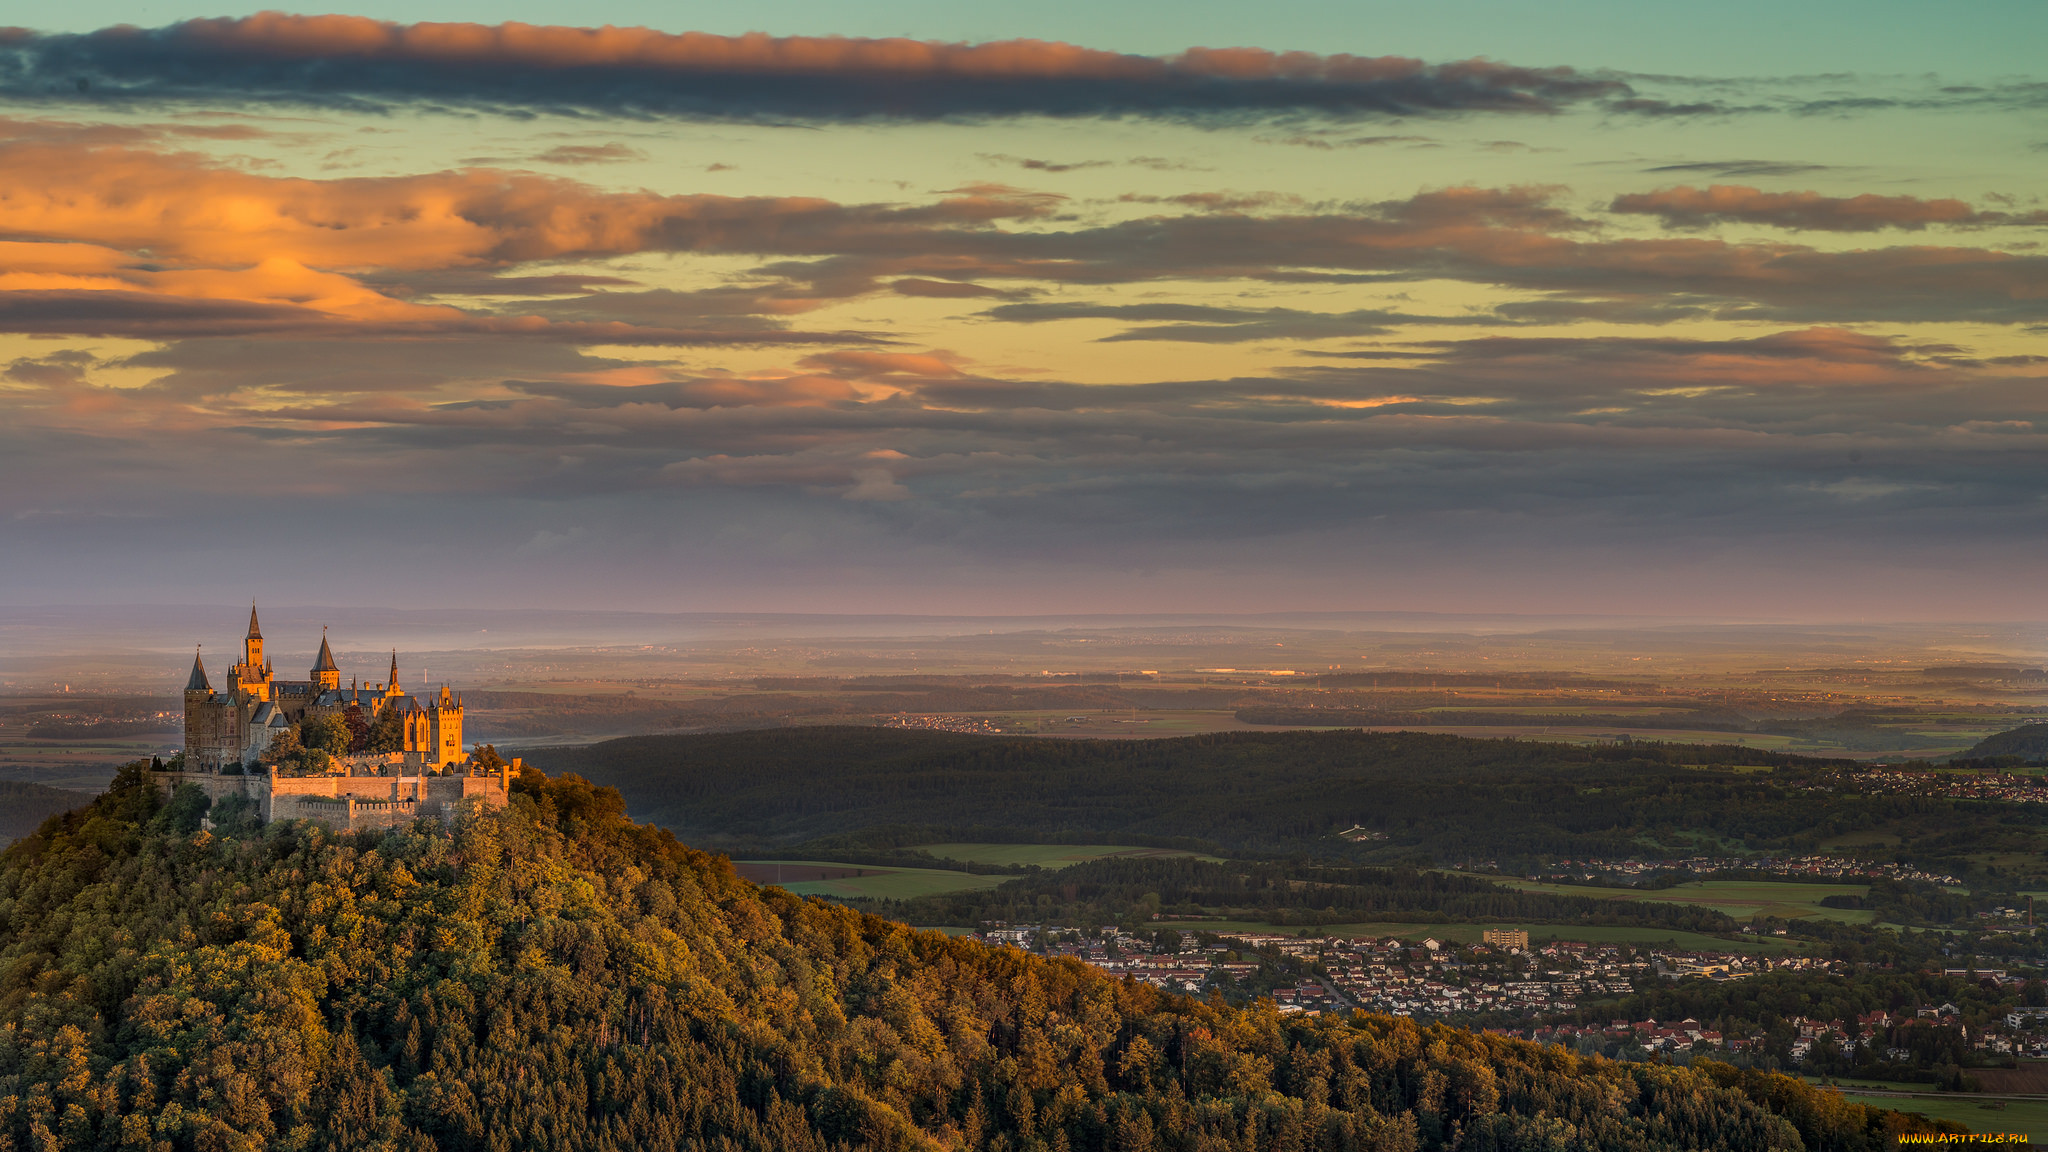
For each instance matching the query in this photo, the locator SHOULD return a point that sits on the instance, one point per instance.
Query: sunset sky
(1063, 307)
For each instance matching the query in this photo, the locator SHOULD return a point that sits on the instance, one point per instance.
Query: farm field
(1045, 855)
(849, 881)
(1164, 722)
(85, 765)
(1470, 933)
(2028, 1117)
(1738, 898)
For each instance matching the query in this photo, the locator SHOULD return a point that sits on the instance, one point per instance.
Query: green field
(1967, 1108)
(1741, 899)
(885, 883)
(1469, 933)
(1044, 855)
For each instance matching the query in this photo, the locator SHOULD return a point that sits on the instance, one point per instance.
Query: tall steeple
(197, 682)
(391, 685)
(325, 674)
(252, 645)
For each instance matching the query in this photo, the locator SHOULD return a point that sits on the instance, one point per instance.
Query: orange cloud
(639, 71)
(858, 365)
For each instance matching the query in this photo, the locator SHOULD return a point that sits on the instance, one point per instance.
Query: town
(1507, 986)
(1812, 867)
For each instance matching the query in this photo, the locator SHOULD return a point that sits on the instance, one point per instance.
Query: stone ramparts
(350, 802)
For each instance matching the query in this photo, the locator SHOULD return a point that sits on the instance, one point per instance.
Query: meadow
(1972, 1110)
(1741, 899)
(1052, 856)
(875, 882)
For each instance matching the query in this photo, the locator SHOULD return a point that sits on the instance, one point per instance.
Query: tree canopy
(554, 976)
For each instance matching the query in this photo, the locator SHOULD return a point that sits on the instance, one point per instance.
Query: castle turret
(210, 731)
(325, 674)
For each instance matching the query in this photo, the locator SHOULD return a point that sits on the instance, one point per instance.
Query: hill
(555, 976)
(1242, 792)
(24, 806)
(2029, 741)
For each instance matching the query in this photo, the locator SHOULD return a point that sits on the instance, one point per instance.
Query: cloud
(1217, 201)
(1511, 238)
(1687, 207)
(112, 239)
(1668, 109)
(860, 364)
(589, 154)
(913, 462)
(1211, 324)
(1325, 140)
(1042, 165)
(943, 289)
(346, 61)
(1743, 167)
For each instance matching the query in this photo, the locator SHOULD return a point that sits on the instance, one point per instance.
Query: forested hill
(555, 977)
(24, 806)
(1242, 792)
(2029, 741)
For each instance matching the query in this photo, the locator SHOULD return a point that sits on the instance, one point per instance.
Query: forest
(1124, 890)
(556, 976)
(1243, 793)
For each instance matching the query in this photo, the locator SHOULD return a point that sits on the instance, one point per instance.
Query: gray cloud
(1687, 207)
(339, 61)
(1459, 456)
(1743, 167)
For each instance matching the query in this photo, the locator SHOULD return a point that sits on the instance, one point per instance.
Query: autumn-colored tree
(555, 976)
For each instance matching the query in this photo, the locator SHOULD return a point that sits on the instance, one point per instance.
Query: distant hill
(23, 807)
(2027, 740)
(554, 976)
(1238, 791)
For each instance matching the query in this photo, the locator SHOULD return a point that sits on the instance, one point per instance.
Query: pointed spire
(197, 682)
(326, 661)
(393, 682)
(255, 633)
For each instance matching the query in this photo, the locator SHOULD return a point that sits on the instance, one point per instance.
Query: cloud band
(355, 61)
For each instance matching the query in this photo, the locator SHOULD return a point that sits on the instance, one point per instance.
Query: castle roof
(342, 697)
(255, 633)
(197, 682)
(326, 661)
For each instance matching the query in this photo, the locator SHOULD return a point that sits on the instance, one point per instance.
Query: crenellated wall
(351, 802)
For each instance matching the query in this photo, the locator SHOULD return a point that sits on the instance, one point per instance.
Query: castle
(232, 738)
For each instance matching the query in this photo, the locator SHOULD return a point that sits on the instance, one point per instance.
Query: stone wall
(349, 803)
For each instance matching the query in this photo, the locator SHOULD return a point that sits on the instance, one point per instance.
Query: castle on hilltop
(238, 724)
(234, 737)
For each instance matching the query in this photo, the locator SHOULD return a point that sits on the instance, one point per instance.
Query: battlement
(350, 803)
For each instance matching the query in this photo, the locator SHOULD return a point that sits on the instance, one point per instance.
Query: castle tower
(325, 675)
(198, 710)
(249, 681)
(391, 687)
(210, 734)
(434, 733)
(252, 645)
(446, 717)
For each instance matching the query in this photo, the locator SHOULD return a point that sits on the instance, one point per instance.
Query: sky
(1057, 308)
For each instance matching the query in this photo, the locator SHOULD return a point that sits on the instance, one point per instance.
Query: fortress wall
(348, 803)
(345, 814)
(218, 787)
